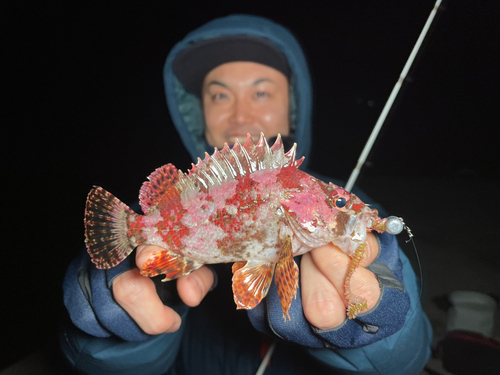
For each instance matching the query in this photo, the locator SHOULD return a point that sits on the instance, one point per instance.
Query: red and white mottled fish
(250, 205)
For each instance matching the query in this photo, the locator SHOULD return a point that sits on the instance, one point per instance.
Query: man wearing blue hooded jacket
(233, 76)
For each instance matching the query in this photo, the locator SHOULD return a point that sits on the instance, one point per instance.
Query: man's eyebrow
(262, 80)
(217, 83)
(222, 84)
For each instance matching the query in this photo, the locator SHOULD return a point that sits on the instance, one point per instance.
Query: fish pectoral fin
(287, 273)
(170, 263)
(251, 282)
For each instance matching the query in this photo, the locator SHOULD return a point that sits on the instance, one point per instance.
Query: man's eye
(220, 96)
(261, 94)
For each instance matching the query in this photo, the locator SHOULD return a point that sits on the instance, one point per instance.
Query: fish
(249, 205)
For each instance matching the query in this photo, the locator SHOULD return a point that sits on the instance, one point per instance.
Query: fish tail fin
(107, 235)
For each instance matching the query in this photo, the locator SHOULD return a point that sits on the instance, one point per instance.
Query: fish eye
(340, 202)
(340, 199)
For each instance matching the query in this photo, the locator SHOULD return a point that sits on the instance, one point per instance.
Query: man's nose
(242, 112)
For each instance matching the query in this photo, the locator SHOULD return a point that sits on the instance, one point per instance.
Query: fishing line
(412, 240)
(419, 266)
(395, 225)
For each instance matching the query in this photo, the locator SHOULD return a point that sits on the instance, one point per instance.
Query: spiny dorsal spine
(238, 161)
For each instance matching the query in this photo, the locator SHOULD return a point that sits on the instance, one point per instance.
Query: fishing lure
(249, 204)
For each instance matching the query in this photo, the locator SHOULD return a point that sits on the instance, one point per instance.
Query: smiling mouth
(242, 138)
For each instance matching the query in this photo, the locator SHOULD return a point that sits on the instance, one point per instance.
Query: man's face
(244, 97)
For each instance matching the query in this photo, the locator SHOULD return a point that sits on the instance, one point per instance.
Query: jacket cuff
(77, 297)
(384, 320)
(90, 303)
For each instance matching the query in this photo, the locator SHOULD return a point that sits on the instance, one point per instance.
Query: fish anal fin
(169, 263)
(287, 273)
(238, 265)
(162, 190)
(251, 282)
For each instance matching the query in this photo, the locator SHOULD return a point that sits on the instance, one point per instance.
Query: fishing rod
(390, 101)
(368, 146)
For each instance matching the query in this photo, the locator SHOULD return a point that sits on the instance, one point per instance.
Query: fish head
(322, 213)
(352, 221)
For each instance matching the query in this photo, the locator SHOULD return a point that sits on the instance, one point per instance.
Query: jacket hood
(185, 108)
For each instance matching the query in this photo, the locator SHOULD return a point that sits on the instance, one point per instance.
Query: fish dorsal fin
(162, 190)
(166, 184)
(241, 160)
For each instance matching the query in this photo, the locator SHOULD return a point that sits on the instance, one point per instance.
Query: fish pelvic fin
(251, 282)
(287, 272)
(107, 234)
(170, 263)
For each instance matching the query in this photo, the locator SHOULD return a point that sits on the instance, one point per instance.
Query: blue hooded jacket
(393, 338)
(185, 108)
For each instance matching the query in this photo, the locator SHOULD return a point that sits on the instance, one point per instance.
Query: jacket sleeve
(397, 327)
(107, 338)
(88, 297)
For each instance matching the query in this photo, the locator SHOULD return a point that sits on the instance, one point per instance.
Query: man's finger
(333, 264)
(371, 251)
(137, 295)
(195, 286)
(143, 252)
(323, 306)
(192, 288)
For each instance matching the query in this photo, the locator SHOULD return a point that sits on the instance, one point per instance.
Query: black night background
(84, 104)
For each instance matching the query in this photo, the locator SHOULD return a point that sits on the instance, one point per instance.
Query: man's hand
(322, 283)
(137, 295)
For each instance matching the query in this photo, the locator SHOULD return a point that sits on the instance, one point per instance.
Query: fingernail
(199, 286)
(175, 326)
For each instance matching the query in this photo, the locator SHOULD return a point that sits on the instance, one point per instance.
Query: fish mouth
(359, 223)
